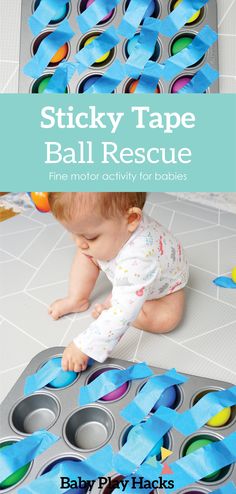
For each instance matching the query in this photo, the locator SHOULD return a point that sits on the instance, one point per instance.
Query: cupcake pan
(86, 429)
(28, 42)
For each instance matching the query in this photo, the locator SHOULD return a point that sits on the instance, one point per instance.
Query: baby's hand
(73, 359)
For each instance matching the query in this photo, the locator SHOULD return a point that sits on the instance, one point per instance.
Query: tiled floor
(10, 39)
(35, 257)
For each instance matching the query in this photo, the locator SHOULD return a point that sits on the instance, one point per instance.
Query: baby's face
(99, 237)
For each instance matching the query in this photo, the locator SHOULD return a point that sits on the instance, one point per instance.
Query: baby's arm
(83, 276)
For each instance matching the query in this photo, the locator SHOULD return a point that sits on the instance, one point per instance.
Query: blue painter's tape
(145, 400)
(206, 408)
(109, 81)
(61, 78)
(96, 465)
(109, 381)
(47, 49)
(144, 48)
(137, 448)
(226, 489)
(190, 55)
(224, 282)
(51, 371)
(24, 451)
(97, 48)
(179, 16)
(95, 13)
(44, 13)
(201, 81)
(149, 78)
(132, 18)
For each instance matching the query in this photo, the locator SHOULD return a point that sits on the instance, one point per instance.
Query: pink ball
(106, 18)
(180, 83)
(113, 395)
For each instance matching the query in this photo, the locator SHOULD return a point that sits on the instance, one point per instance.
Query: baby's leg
(83, 276)
(163, 314)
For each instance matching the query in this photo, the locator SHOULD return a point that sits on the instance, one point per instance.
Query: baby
(144, 262)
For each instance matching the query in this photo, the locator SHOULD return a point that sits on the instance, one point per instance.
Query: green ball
(43, 84)
(201, 443)
(16, 476)
(180, 44)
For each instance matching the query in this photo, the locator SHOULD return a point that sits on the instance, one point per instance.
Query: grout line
(20, 231)
(212, 298)
(208, 332)
(210, 241)
(209, 222)
(201, 269)
(199, 354)
(31, 242)
(24, 332)
(69, 246)
(15, 258)
(68, 330)
(9, 80)
(43, 262)
(47, 285)
(138, 344)
(225, 14)
(14, 368)
(171, 220)
(35, 298)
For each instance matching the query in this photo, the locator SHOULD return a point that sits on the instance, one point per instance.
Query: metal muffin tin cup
(14, 488)
(35, 412)
(25, 82)
(232, 419)
(103, 417)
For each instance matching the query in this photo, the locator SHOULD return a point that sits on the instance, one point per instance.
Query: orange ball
(134, 84)
(60, 54)
(40, 200)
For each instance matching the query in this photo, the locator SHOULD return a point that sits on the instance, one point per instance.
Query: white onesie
(150, 265)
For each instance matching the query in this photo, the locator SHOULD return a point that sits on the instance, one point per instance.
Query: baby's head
(101, 222)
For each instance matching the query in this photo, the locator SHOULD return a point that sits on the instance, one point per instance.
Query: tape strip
(144, 48)
(149, 78)
(95, 13)
(96, 465)
(61, 78)
(179, 16)
(109, 81)
(137, 448)
(132, 18)
(226, 489)
(145, 400)
(224, 282)
(190, 55)
(111, 380)
(51, 370)
(47, 49)
(201, 81)
(44, 13)
(24, 451)
(97, 48)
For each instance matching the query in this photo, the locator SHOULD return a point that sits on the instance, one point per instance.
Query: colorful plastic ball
(194, 17)
(202, 443)
(104, 57)
(233, 275)
(40, 200)
(90, 81)
(156, 450)
(70, 462)
(113, 395)
(17, 475)
(167, 398)
(180, 44)
(131, 44)
(61, 54)
(61, 12)
(220, 418)
(180, 83)
(107, 17)
(65, 378)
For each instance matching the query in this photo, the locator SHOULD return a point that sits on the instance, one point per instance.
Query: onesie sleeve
(133, 277)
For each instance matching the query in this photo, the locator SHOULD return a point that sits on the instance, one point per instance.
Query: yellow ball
(193, 18)
(103, 57)
(220, 418)
(234, 274)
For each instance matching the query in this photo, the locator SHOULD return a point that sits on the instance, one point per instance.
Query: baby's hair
(64, 204)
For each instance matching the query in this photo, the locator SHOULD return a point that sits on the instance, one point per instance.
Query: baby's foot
(65, 306)
(99, 308)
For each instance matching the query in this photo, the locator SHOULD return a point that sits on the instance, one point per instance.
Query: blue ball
(167, 398)
(90, 81)
(60, 14)
(72, 463)
(156, 450)
(65, 378)
(131, 44)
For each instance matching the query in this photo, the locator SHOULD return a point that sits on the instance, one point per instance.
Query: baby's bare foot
(99, 308)
(65, 306)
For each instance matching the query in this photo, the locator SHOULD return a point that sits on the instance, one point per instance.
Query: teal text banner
(118, 142)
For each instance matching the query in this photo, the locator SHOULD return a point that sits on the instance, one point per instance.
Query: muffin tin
(165, 47)
(86, 429)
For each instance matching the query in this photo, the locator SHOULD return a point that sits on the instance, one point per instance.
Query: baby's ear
(134, 217)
